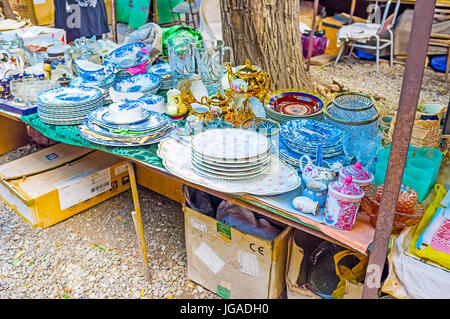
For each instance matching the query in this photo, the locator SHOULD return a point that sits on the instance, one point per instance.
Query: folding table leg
(137, 219)
(447, 65)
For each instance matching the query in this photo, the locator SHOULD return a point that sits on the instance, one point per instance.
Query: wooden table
(161, 181)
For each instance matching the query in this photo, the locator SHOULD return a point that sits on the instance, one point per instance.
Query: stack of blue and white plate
(126, 123)
(303, 137)
(68, 105)
(103, 85)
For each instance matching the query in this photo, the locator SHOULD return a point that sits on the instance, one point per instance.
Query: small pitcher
(312, 172)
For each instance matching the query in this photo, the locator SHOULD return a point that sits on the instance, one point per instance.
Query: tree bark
(267, 32)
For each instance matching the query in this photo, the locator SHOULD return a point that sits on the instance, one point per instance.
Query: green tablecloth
(69, 134)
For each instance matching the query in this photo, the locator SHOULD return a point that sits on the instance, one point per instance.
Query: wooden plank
(323, 59)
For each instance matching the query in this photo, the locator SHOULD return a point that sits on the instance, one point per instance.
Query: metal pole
(114, 20)
(7, 10)
(311, 35)
(352, 11)
(412, 82)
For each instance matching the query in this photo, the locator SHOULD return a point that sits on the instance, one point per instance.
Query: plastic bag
(151, 35)
(319, 46)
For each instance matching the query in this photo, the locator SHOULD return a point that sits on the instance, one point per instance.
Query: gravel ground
(358, 75)
(95, 254)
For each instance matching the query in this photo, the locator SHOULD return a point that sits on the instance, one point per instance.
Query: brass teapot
(218, 101)
(249, 80)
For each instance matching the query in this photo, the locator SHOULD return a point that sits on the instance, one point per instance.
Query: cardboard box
(31, 35)
(232, 263)
(331, 25)
(301, 245)
(65, 182)
(159, 183)
(13, 134)
(40, 12)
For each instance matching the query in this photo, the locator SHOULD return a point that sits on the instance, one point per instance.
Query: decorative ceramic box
(342, 205)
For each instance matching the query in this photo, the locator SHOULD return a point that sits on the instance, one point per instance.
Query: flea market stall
(287, 186)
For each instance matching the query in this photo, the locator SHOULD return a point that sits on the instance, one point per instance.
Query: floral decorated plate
(161, 68)
(295, 102)
(138, 83)
(69, 95)
(128, 55)
(119, 143)
(309, 133)
(79, 81)
(277, 178)
(124, 134)
(231, 164)
(112, 117)
(219, 175)
(154, 122)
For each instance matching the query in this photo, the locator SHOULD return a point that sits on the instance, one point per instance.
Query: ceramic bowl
(119, 96)
(200, 110)
(92, 72)
(144, 83)
(128, 55)
(125, 112)
(154, 103)
(295, 103)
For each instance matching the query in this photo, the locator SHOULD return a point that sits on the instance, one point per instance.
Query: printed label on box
(209, 257)
(39, 1)
(248, 263)
(120, 169)
(195, 223)
(82, 187)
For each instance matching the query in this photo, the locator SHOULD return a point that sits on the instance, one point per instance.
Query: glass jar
(357, 116)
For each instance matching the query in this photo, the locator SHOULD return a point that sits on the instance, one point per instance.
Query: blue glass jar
(357, 116)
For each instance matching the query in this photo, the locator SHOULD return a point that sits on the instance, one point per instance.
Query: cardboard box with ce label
(60, 181)
(233, 263)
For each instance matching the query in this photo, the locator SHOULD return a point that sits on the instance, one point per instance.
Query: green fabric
(123, 10)
(69, 134)
(138, 13)
(164, 11)
(179, 30)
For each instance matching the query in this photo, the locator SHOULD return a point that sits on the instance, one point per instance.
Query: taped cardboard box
(40, 12)
(232, 263)
(61, 181)
(35, 34)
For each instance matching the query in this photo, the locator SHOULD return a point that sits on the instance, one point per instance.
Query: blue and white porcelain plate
(161, 68)
(120, 134)
(151, 99)
(138, 83)
(79, 81)
(118, 143)
(128, 56)
(69, 95)
(309, 133)
(154, 122)
(126, 105)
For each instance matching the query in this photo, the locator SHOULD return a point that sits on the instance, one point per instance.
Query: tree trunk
(267, 32)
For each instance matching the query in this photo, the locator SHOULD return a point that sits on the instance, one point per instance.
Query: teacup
(92, 72)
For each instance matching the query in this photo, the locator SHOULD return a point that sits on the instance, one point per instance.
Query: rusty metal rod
(409, 96)
(114, 20)
(311, 35)
(352, 12)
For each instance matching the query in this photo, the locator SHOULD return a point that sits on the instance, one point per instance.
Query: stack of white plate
(68, 105)
(231, 154)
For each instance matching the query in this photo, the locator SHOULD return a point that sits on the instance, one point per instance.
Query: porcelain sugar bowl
(312, 172)
(248, 79)
(360, 175)
(343, 201)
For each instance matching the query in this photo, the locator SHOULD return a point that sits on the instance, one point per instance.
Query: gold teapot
(248, 79)
(217, 101)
